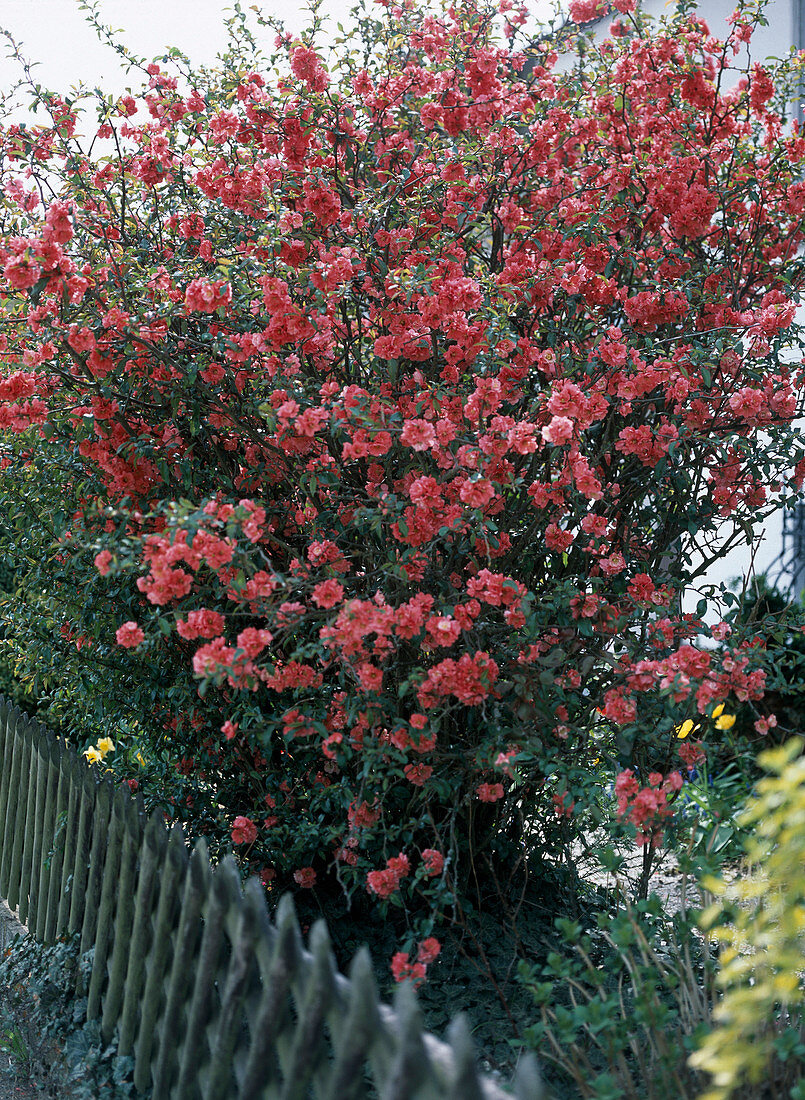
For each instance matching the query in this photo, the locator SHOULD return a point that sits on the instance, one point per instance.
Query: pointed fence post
(122, 921)
(154, 1019)
(91, 805)
(71, 766)
(110, 895)
(8, 792)
(14, 834)
(186, 945)
(152, 859)
(102, 808)
(29, 839)
(52, 837)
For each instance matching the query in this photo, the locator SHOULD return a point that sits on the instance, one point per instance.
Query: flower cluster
(99, 751)
(649, 806)
(404, 969)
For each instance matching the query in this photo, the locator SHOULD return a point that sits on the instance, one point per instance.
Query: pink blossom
(490, 792)
(244, 831)
(129, 635)
(102, 562)
(433, 861)
(22, 273)
(418, 774)
(558, 431)
(328, 593)
(418, 434)
(204, 296)
(229, 729)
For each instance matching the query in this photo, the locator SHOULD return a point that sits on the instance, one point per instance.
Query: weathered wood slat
(8, 795)
(222, 893)
(26, 871)
(17, 808)
(101, 809)
(104, 924)
(242, 982)
(153, 1014)
(152, 858)
(314, 991)
(42, 817)
(180, 984)
(359, 1027)
(132, 836)
(278, 954)
(71, 766)
(89, 808)
(232, 977)
(53, 896)
(53, 770)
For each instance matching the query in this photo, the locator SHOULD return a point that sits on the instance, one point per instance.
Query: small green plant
(14, 1048)
(621, 1010)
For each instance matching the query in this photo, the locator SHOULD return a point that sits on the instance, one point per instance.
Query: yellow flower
(92, 755)
(725, 722)
(719, 710)
(140, 759)
(105, 745)
(686, 728)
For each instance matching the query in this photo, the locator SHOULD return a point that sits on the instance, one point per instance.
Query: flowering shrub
(381, 399)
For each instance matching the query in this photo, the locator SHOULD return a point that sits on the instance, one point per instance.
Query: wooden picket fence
(211, 998)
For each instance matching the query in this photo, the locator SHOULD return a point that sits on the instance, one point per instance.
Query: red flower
(692, 753)
(385, 882)
(129, 635)
(403, 970)
(433, 861)
(418, 774)
(102, 561)
(203, 296)
(201, 624)
(22, 273)
(328, 593)
(244, 831)
(399, 966)
(490, 792)
(305, 877)
(428, 950)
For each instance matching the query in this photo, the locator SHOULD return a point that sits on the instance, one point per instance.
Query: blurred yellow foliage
(760, 922)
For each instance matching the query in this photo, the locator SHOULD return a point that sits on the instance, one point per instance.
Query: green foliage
(47, 1031)
(772, 621)
(621, 1004)
(14, 1048)
(759, 920)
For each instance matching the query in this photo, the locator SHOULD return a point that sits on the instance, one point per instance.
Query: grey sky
(55, 33)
